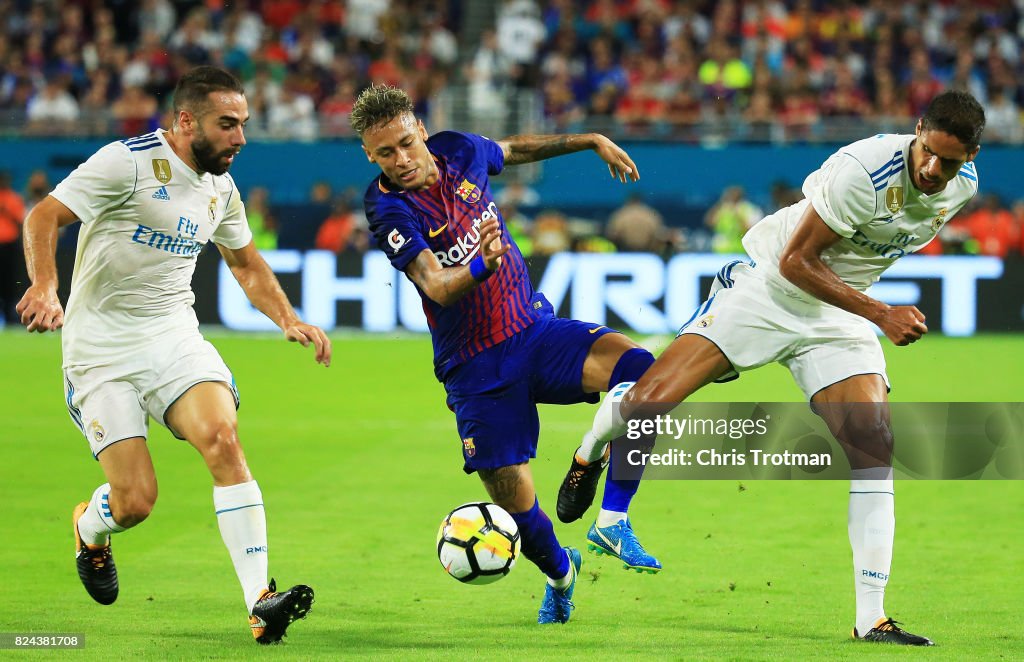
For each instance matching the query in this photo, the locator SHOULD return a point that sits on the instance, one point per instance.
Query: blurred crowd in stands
(764, 69)
(689, 70)
(93, 67)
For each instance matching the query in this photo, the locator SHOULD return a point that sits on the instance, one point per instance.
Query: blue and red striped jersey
(445, 219)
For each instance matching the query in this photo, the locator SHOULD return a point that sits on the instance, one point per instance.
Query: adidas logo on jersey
(162, 194)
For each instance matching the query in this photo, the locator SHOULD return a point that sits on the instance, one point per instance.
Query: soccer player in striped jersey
(499, 349)
(132, 348)
(801, 302)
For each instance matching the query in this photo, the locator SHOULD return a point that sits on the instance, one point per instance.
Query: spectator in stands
(993, 227)
(335, 109)
(158, 17)
(518, 194)
(488, 75)
(292, 115)
(520, 35)
(636, 227)
(1018, 225)
(551, 233)
(730, 219)
(261, 220)
(53, 110)
(37, 188)
(922, 84)
(1002, 117)
(135, 112)
(321, 193)
(845, 99)
(12, 215)
(723, 73)
(784, 195)
(340, 231)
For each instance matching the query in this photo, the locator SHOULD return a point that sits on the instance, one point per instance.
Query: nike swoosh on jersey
(434, 233)
(596, 329)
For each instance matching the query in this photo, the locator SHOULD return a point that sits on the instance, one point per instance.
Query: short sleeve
(490, 151)
(103, 182)
(844, 196)
(233, 231)
(396, 232)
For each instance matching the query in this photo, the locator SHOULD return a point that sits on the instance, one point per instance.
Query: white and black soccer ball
(478, 543)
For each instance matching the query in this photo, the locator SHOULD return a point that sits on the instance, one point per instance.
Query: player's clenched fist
(491, 245)
(902, 324)
(40, 309)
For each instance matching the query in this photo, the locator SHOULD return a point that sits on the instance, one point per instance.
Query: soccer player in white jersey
(801, 302)
(131, 344)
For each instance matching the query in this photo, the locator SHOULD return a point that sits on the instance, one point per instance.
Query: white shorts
(111, 400)
(755, 321)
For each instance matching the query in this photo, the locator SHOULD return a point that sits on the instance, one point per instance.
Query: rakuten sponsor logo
(468, 244)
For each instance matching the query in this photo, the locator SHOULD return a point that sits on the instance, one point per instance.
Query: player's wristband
(478, 269)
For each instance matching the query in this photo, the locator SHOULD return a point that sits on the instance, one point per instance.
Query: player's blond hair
(378, 104)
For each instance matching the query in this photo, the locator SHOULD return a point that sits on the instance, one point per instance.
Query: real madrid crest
(894, 198)
(939, 220)
(213, 209)
(706, 321)
(98, 433)
(162, 170)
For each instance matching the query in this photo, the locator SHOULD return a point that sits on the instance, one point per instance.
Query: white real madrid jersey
(865, 194)
(146, 216)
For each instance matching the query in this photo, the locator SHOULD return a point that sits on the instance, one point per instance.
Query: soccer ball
(478, 543)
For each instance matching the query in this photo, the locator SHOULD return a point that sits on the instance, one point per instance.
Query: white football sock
(96, 523)
(564, 581)
(872, 523)
(243, 526)
(609, 517)
(608, 425)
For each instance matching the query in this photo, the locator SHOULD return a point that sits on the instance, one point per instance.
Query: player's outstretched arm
(264, 291)
(446, 286)
(40, 309)
(801, 264)
(527, 149)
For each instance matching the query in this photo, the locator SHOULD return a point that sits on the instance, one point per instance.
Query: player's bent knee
(869, 436)
(219, 436)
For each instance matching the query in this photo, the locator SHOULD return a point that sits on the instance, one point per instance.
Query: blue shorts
(494, 394)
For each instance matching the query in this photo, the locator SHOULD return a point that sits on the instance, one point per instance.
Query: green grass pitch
(359, 463)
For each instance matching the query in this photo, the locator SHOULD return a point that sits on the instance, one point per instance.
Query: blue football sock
(539, 542)
(631, 366)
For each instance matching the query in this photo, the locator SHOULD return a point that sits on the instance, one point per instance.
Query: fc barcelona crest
(468, 191)
(894, 198)
(162, 170)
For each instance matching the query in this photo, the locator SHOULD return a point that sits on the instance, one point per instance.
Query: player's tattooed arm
(529, 148)
(802, 264)
(447, 285)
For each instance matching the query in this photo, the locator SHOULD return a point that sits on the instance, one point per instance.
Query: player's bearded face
(209, 157)
(219, 133)
(399, 148)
